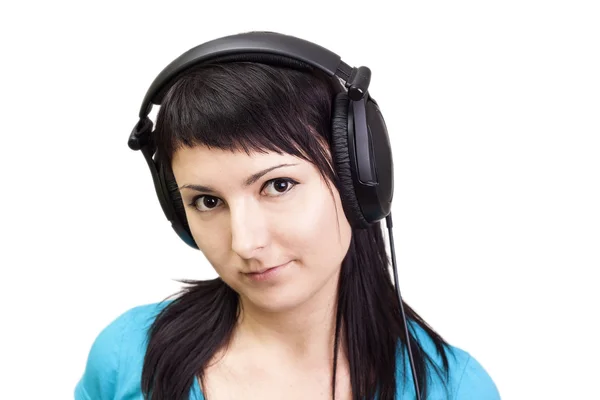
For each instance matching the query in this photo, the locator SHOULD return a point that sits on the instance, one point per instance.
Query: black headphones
(359, 139)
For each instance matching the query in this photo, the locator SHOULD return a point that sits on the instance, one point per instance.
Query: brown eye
(281, 185)
(205, 203)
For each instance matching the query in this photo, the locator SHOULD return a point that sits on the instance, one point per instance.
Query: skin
(287, 322)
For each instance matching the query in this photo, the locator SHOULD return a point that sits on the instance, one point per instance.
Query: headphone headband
(259, 43)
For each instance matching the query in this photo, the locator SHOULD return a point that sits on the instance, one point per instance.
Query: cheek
(313, 229)
(214, 247)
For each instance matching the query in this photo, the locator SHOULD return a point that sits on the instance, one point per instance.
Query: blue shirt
(114, 365)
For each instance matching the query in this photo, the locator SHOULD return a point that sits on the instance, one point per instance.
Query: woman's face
(249, 213)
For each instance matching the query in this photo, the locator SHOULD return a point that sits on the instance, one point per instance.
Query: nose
(249, 231)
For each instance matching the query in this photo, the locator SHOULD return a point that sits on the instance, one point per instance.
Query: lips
(260, 271)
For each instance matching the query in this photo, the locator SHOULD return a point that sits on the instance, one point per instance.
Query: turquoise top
(114, 365)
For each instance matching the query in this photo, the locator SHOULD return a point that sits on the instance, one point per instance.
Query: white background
(493, 114)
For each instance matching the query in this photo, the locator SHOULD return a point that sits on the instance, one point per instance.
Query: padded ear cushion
(174, 197)
(341, 158)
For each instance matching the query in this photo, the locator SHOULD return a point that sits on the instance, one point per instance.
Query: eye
(209, 202)
(281, 186)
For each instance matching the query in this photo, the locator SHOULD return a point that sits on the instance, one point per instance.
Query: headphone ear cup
(179, 221)
(341, 158)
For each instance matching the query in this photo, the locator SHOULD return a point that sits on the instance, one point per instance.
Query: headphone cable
(389, 224)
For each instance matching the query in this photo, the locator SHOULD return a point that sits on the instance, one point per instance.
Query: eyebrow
(249, 181)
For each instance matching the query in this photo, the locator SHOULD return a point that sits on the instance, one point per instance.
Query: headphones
(359, 140)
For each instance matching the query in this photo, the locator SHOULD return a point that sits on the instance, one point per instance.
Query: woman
(246, 149)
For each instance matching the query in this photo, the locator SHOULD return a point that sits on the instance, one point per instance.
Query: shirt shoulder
(475, 383)
(114, 363)
(467, 378)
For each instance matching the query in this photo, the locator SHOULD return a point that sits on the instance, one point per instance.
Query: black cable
(389, 224)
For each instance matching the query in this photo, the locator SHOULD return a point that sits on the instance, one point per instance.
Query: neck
(301, 337)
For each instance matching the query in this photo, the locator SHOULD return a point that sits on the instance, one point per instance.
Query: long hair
(248, 106)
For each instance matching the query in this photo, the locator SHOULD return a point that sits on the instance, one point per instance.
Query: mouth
(262, 271)
(266, 275)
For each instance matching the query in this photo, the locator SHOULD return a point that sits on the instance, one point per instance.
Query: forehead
(202, 161)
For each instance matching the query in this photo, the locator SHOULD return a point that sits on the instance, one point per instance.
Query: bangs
(247, 107)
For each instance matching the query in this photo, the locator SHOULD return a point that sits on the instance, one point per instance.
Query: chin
(276, 301)
(285, 291)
